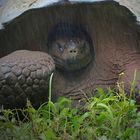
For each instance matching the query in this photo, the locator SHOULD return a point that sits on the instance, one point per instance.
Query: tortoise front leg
(24, 74)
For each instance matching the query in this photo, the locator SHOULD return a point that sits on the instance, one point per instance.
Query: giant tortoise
(86, 44)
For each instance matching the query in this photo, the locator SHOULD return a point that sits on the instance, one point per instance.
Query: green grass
(109, 115)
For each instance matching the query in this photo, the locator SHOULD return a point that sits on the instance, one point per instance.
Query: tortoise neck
(77, 74)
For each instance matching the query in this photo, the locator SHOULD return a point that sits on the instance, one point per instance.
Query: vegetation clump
(106, 116)
(109, 115)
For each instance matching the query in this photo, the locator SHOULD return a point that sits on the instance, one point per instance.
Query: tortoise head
(71, 47)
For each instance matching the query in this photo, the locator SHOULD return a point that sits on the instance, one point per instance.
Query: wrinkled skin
(115, 49)
(25, 74)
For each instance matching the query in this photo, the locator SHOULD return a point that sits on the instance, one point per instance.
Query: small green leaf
(107, 108)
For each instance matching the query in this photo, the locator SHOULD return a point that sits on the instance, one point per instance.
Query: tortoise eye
(61, 49)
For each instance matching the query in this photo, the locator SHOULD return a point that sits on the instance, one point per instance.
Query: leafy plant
(109, 115)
